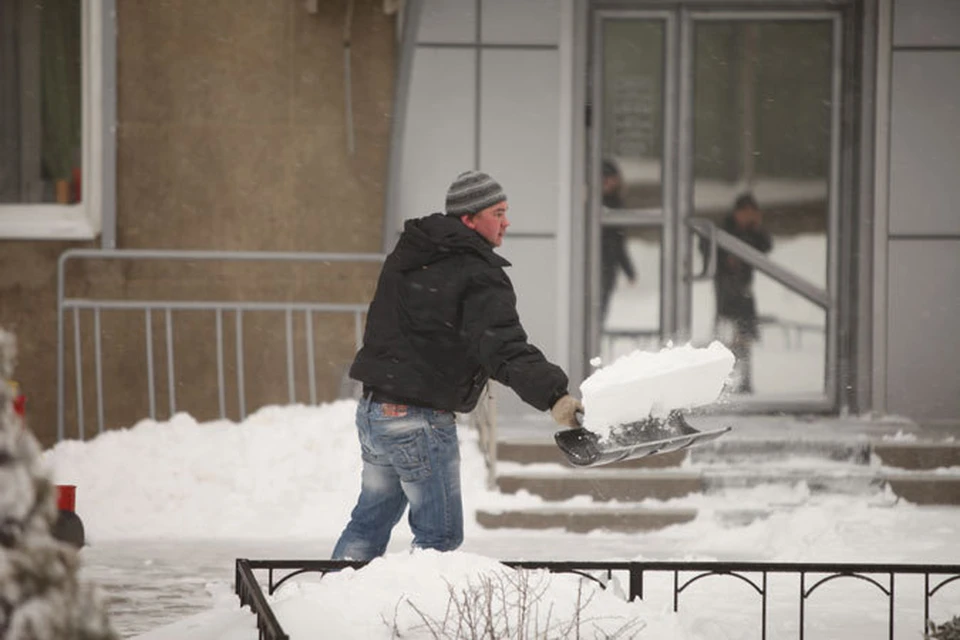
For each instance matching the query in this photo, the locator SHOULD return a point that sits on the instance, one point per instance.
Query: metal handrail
(484, 420)
(706, 228)
(636, 570)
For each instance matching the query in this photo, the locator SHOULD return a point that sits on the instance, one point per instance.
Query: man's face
(491, 223)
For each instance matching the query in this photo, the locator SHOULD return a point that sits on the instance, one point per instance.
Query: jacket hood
(437, 236)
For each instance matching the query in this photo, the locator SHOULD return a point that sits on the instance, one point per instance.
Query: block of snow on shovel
(634, 407)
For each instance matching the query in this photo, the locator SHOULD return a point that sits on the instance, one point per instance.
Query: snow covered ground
(169, 506)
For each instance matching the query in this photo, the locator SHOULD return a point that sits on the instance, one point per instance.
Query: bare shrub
(947, 631)
(508, 606)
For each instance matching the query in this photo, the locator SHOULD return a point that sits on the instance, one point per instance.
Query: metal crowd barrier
(75, 306)
(684, 574)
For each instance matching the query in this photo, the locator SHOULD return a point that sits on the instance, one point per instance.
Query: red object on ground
(66, 497)
(20, 405)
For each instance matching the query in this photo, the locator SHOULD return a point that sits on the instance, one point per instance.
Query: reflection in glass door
(629, 208)
(723, 119)
(763, 129)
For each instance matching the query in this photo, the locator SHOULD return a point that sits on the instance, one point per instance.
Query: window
(52, 145)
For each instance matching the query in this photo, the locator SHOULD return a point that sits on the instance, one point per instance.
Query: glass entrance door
(714, 154)
(633, 163)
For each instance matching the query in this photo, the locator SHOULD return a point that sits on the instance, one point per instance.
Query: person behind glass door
(613, 240)
(736, 307)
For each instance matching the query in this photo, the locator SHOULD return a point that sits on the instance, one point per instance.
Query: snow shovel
(648, 437)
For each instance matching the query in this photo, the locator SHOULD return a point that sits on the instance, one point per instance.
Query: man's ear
(467, 219)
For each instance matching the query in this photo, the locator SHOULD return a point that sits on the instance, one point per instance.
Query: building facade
(823, 111)
(321, 126)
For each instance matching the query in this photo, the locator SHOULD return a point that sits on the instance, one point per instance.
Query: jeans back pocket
(409, 454)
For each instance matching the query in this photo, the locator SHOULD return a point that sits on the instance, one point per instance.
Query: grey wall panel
(534, 277)
(448, 21)
(925, 143)
(439, 135)
(527, 22)
(923, 341)
(519, 132)
(926, 23)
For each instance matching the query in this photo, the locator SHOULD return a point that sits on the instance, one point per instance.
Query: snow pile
(427, 594)
(644, 383)
(40, 595)
(283, 472)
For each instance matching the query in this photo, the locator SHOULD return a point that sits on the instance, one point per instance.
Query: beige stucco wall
(231, 136)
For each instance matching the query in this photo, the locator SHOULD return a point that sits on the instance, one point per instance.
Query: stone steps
(604, 485)
(922, 472)
(918, 455)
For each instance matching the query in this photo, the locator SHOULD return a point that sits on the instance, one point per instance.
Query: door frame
(680, 16)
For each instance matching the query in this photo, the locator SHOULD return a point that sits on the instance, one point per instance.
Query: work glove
(564, 411)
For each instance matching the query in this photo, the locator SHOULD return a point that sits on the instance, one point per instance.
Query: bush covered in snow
(40, 595)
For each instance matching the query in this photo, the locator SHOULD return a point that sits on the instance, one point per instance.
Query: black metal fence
(812, 576)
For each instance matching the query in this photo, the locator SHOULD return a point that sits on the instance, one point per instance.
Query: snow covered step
(541, 451)
(935, 487)
(626, 519)
(584, 519)
(554, 483)
(836, 478)
(603, 484)
(731, 449)
(727, 450)
(636, 485)
(918, 455)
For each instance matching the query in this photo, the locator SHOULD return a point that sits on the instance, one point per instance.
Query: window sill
(46, 222)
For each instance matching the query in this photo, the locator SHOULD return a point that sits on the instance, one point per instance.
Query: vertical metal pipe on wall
(410, 15)
(348, 77)
(108, 115)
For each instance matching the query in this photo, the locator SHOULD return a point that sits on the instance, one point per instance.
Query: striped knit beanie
(472, 192)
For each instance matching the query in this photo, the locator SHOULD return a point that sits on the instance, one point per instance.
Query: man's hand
(564, 411)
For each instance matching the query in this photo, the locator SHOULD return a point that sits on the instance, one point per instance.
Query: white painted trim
(881, 202)
(79, 221)
(45, 222)
(564, 183)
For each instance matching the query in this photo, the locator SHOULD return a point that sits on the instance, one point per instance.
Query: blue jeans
(410, 456)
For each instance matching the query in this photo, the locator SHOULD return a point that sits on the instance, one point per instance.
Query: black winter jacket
(444, 319)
